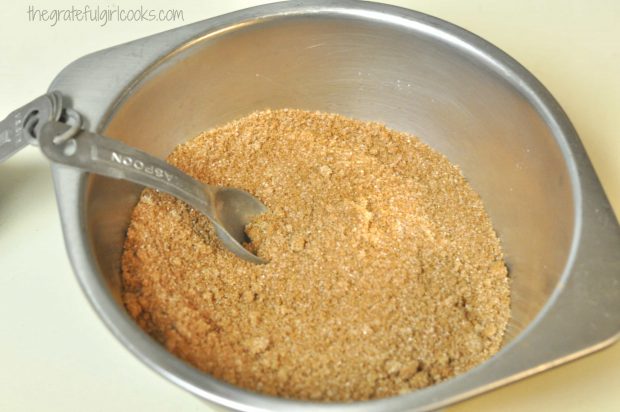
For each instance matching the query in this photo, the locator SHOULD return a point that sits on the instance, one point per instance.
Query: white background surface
(55, 354)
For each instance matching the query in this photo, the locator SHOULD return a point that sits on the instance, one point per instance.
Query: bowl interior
(413, 78)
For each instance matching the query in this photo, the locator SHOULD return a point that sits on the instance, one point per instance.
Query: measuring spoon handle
(101, 155)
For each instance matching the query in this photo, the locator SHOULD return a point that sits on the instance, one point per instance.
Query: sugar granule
(385, 274)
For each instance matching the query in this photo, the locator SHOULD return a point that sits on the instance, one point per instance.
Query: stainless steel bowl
(411, 71)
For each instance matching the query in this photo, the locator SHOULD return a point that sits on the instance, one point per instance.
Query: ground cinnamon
(385, 274)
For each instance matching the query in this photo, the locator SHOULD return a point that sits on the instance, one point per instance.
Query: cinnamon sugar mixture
(384, 273)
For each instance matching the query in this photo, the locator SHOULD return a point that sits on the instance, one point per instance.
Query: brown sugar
(385, 274)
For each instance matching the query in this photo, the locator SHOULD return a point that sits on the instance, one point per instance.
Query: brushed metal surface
(413, 72)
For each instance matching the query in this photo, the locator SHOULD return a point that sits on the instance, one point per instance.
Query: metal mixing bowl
(416, 74)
